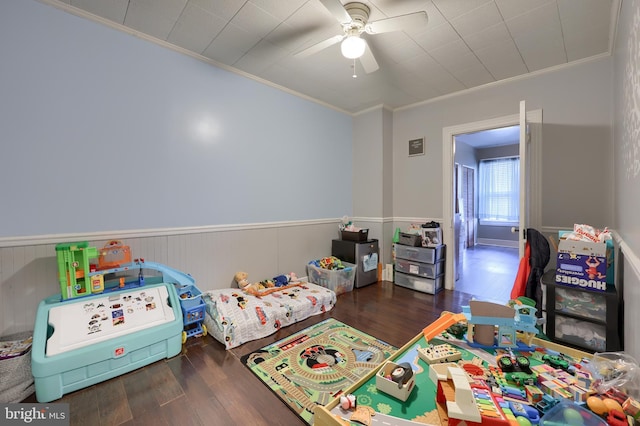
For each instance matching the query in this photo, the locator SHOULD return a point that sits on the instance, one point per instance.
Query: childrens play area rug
(314, 365)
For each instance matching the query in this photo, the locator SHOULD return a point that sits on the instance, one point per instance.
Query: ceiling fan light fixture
(353, 47)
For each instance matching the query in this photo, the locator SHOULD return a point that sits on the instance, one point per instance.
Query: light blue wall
(103, 131)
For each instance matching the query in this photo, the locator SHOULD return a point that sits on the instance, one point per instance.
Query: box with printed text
(582, 264)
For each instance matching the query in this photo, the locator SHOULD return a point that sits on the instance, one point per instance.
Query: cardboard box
(582, 264)
(609, 255)
(388, 386)
(431, 237)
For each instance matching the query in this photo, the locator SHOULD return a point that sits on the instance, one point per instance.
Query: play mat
(314, 365)
(234, 317)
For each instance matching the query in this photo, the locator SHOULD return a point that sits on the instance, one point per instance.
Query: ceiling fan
(354, 18)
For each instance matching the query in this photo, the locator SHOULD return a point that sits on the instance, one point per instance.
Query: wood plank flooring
(488, 272)
(208, 385)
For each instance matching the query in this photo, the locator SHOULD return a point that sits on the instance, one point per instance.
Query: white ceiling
(466, 43)
(490, 138)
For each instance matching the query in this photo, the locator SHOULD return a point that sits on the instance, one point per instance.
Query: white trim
(628, 253)
(630, 257)
(506, 81)
(613, 24)
(117, 26)
(371, 219)
(158, 232)
(498, 243)
(489, 222)
(417, 219)
(448, 156)
(373, 108)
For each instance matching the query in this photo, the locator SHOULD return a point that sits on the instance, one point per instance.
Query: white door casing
(530, 197)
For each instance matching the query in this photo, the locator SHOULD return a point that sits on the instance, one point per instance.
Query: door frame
(472, 203)
(534, 120)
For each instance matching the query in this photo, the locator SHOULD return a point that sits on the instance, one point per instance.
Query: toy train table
(83, 341)
(438, 383)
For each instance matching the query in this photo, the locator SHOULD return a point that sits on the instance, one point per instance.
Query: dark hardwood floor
(488, 272)
(208, 385)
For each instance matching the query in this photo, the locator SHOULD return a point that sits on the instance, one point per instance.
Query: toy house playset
(113, 315)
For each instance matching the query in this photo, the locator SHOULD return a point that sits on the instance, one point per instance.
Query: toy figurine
(348, 402)
(402, 374)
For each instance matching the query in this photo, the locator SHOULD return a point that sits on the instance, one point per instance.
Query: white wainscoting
(28, 271)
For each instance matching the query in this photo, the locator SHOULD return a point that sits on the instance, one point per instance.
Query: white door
(530, 176)
(524, 184)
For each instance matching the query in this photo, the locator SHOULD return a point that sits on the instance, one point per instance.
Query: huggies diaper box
(584, 264)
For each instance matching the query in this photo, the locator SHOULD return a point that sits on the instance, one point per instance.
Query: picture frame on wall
(416, 147)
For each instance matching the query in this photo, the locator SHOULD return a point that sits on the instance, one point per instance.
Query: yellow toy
(261, 288)
(244, 284)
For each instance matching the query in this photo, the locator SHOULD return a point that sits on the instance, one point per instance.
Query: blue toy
(83, 341)
(280, 280)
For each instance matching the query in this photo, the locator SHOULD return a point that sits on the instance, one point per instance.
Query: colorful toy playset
(111, 317)
(502, 381)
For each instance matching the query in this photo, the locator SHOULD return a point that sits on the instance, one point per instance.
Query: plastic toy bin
(190, 296)
(357, 236)
(193, 310)
(193, 307)
(67, 355)
(338, 280)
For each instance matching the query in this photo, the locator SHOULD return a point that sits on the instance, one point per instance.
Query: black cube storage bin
(413, 240)
(357, 236)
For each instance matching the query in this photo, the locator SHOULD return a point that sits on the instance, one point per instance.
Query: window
(499, 191)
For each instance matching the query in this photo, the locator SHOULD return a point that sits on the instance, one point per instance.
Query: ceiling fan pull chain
(354, 69)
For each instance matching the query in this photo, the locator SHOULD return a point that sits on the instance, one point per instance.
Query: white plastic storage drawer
(581, 333)
(425, 270)
(424, 285)
(420, 254)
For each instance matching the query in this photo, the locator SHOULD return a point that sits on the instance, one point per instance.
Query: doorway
(451, 221)
(488, 257)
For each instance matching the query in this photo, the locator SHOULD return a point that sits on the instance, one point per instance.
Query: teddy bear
(244, 284)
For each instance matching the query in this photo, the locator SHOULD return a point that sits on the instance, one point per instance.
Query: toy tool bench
(99, 328)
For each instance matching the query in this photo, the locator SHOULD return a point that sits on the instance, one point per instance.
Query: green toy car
(556, 361)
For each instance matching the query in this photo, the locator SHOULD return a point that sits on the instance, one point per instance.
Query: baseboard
(498, 243)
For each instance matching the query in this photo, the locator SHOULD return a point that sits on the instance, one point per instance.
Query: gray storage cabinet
(420, 268)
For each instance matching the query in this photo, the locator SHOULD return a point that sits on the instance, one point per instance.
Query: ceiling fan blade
(319, 46)
(368, 61)
(337, 10)
(397, 23)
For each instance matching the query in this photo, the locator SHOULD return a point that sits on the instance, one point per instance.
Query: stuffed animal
(241, 279)
(267, 284)
(402, 374)
(264, 287)
(292, 278)
(244, 284)
(280, 280)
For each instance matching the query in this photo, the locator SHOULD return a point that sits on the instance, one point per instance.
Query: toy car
(520, 363)
(521, 378)
(556, 361)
